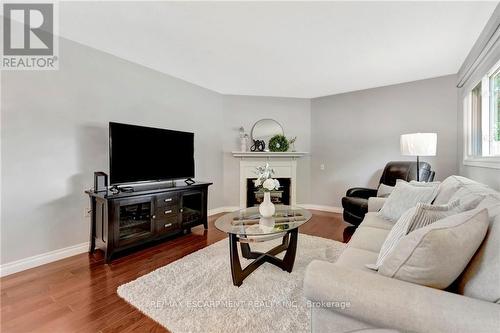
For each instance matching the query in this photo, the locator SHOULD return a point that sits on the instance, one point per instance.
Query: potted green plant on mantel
(278, 143)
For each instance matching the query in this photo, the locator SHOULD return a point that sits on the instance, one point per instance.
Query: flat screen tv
(139, 154)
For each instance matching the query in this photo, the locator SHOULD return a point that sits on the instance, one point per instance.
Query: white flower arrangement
(265, 179)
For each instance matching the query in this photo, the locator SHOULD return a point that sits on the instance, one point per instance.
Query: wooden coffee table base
(289, 244)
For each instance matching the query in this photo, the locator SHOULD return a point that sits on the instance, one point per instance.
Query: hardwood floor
(78, 294)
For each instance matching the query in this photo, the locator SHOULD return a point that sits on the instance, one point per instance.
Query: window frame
(486, 115)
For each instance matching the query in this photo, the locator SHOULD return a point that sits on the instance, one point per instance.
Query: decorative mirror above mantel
(265, 129)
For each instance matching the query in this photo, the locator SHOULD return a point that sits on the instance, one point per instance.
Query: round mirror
(265, 129)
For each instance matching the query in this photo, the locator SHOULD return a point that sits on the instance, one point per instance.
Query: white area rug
(196, 293)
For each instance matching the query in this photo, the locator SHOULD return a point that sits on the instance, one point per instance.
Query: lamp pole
(418, 169)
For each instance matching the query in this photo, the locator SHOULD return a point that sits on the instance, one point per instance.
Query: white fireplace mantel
(283, 163)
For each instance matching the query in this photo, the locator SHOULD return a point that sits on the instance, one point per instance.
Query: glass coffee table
(247, 226)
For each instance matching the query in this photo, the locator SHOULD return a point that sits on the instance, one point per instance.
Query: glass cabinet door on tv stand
(193, 208)
(135, 221)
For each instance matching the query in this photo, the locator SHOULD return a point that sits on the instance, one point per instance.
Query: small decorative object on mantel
(243, 140)
(258, 145)
(292, 143)
(278, 143)
(266, 183)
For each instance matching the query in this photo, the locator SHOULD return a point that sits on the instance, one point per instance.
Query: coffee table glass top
(248, 221)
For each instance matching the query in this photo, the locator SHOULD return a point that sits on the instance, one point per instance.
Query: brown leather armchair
(355, 203)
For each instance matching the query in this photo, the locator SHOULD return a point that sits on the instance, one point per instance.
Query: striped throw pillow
(426, 214)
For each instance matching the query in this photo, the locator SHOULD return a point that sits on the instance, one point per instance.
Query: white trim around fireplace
(283, 168)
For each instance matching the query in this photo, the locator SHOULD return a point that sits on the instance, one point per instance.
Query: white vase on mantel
(266, 208)
(243, 144)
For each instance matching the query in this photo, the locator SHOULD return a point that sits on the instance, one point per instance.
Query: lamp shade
(418, 144)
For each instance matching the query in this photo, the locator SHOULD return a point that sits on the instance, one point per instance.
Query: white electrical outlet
(322, 167)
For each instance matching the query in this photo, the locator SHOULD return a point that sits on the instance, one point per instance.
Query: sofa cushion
(368, 238)
(492, 203)
(357, 258)
(375, 203)
(405, 196)
(436, 255)
(457, 187)
(465, 194)
(372, 219)
(481, 278)
(446, 190)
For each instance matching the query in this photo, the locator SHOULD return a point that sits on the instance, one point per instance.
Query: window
(482, 122)
(495, 113)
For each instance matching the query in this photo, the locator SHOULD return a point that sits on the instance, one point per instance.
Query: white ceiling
(292, 49)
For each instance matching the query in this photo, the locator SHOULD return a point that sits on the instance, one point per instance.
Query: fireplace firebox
(278, 197)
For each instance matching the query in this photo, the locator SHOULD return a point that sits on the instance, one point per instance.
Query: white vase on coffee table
(266, 208)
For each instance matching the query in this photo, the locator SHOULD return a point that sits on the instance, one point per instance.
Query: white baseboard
(45, 258)
(41, 259)
(331, 209)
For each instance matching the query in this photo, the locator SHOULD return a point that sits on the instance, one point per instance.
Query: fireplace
(284, 165)
(278, 197)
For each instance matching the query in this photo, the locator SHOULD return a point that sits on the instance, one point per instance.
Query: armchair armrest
(361, 192)
(375, 203)
(386, 302)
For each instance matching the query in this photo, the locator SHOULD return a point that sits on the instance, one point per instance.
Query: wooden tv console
(150, 213)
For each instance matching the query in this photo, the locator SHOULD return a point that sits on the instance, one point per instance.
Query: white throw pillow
(436, 255)
(419, 217)
(414, 218)
(405, 196)
(383, 190)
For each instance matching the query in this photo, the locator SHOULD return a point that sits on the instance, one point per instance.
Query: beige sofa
(374, 301)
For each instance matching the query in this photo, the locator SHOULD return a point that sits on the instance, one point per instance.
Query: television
(140, 154)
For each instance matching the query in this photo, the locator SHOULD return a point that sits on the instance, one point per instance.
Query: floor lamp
(418, 144)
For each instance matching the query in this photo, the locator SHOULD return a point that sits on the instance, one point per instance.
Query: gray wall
(355, 134)
(54, 135)
(487, 176)
(294, 116)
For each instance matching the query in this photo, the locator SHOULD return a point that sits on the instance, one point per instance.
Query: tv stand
(126, 220)
(189, 181)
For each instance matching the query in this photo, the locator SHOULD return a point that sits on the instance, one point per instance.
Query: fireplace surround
(284, 165)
